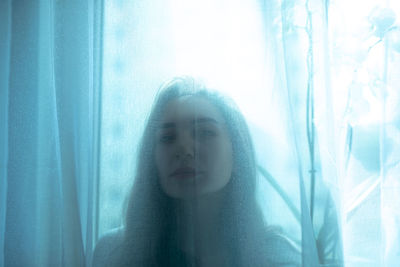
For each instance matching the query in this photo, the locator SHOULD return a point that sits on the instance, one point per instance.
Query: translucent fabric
(49, 99)
(84, 147)
(294, 68)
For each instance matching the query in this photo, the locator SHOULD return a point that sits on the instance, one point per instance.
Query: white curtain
(317, 80)
(340, 65)
(50, 73)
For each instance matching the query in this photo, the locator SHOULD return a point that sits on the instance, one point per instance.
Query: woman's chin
(195, 194)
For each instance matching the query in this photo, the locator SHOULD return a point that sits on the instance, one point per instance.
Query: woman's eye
(167, 138)
(205, 133)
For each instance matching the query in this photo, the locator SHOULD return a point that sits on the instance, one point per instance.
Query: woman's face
(193, 150)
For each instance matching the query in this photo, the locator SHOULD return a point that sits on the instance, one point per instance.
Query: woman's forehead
(188, 109)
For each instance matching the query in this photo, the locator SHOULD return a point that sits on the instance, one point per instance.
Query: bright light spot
(223, 43)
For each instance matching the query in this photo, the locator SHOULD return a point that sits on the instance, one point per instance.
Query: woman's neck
(197, 226)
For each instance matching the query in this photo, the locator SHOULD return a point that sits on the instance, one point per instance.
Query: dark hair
(149, 227)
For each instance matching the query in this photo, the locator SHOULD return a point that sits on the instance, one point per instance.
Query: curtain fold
(350, 60)
(48, 214)
(22, 137)
(5, 34)
(297, 84)
(327, 139)
(299, 31)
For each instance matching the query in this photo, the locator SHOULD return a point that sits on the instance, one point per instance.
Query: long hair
(150, 230)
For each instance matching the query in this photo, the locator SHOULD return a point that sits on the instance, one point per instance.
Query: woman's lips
(185, 173)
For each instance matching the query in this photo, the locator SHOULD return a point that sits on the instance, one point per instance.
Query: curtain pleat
(49, 131)
(96, 11)
(20, 249)
(5, 35)
(320, 244)
(336, 176)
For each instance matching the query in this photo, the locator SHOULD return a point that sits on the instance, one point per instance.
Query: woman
(193, 201)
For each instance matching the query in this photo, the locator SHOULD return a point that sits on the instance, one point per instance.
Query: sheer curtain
(317, 82)
(50, 74)
(340, 66)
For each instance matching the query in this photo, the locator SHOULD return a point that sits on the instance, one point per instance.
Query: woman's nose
(185, 147)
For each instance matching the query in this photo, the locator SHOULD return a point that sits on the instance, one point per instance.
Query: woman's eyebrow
(204, 119)
(167, 125)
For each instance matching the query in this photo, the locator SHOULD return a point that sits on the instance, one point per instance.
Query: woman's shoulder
(106, 247)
